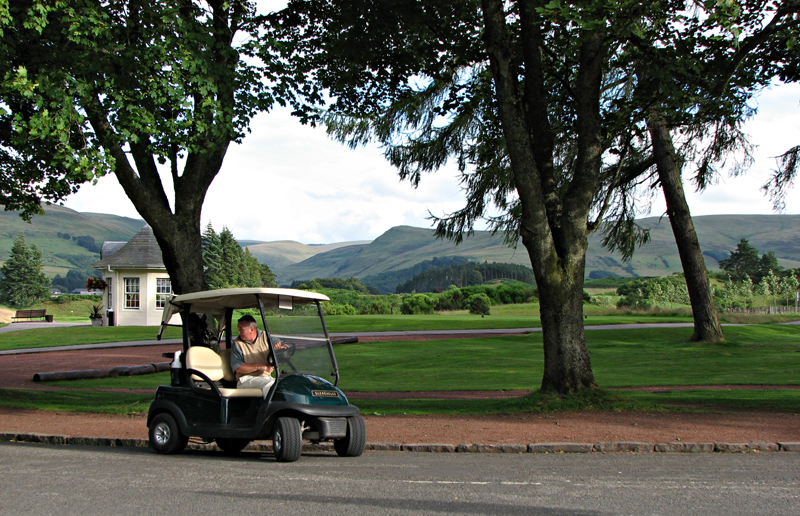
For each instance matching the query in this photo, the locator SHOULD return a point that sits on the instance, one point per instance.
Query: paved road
(40, 479)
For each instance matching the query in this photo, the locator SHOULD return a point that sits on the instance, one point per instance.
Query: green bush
(418, 304)
(479, 304)
(332, 309)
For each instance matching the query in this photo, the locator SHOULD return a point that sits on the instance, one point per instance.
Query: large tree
(142, 89)
(539, 104)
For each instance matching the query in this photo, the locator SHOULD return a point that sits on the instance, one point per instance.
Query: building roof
(141, 252)
(110, 248)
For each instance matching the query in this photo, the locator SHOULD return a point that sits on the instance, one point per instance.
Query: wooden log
(112, 372)
(345, 340)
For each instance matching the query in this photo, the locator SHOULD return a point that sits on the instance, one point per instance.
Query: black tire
(231, 446)
(287, 439)
(354, 443)
(165, 435)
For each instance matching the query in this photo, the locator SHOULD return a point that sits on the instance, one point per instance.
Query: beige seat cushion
(206, 361)
(217, 367)
(227, 371)
(241, 393)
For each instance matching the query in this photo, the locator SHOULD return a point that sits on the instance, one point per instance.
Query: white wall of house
(136, 296)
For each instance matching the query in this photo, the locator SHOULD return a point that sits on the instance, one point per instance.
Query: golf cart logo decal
(330, 394)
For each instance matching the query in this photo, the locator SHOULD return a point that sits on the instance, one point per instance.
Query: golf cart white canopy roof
(215, 302)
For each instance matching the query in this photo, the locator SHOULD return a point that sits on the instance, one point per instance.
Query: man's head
(248, 328)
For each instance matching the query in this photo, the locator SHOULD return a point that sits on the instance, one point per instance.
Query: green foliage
(72, 102)
(743, 261)
(88, 242)
(436, 279)
(642, 294)
(771, 291)
(418, 304)
(228, 265)
(24, 282)
(478, 304)
(333, 283)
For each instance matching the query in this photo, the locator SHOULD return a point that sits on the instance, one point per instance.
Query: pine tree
(212, 256)
(24, 282)
(228, 265)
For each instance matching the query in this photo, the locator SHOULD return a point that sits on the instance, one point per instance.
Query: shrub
(479, 304)
(332, 309)
(417, 304)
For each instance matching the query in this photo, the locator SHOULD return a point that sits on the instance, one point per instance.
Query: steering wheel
(284, 353)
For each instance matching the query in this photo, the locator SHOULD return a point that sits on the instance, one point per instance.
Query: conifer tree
(24, 282)
(228, 265)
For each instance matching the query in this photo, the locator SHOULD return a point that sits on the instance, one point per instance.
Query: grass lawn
(753, 355)
(70, 336)
(46, 337)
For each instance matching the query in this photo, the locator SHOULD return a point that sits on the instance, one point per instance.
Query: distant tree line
(437, 279)
(386, 282)
(334, 283)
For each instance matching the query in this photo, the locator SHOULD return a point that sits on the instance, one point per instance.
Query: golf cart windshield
(300, 345)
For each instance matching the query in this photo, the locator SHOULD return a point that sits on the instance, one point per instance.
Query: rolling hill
(54, 231)
(401, 247)
(281, 253)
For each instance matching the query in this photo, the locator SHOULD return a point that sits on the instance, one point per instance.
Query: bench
(29, 315)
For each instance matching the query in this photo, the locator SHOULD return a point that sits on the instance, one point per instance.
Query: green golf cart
(203, 400)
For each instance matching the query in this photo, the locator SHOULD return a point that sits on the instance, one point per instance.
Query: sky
(287, 181)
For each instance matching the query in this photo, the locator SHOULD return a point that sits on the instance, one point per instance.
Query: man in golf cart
(250, 356)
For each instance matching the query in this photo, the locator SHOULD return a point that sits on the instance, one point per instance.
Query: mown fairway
(753, 355)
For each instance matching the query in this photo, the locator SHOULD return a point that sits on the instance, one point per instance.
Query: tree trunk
(567, 367)
(704, 311)
(553, 222)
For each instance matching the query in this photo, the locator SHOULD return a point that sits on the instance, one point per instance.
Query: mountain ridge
(404, 246)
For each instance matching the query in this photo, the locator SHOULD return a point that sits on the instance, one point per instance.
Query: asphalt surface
(42, 479)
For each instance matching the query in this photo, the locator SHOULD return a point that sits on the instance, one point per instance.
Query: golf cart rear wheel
(353, 444)
(231, 445)
(287, 439)
(165, 436)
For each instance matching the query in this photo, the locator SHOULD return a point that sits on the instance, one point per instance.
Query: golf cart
(204, 402)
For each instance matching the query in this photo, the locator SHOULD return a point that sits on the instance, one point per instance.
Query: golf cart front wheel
(287, 439)
(165, 436)
(353, 444)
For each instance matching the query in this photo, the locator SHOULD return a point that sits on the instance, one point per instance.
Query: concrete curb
(601, 447)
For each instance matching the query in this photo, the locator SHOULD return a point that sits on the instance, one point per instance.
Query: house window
(132, 293)
(163, 291)
(110, 306)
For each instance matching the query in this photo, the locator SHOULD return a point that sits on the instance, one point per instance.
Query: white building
(137, 284)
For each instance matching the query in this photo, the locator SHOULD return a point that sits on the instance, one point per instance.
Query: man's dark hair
(248, 319)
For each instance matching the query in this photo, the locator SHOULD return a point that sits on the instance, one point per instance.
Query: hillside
(61, 254)
(286, 252)
(402, 247)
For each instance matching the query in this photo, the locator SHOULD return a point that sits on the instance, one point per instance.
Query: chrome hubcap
(162, 434)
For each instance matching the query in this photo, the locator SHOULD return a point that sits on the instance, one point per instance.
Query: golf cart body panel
(203, 400)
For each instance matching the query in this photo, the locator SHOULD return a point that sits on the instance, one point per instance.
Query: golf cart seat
(207, 366)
